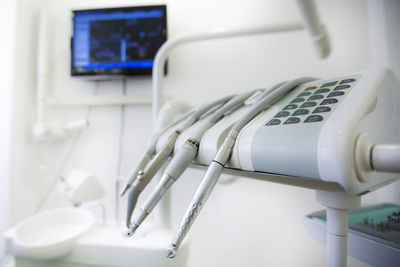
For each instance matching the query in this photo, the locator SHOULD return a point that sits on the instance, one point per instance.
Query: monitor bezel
(123, 71)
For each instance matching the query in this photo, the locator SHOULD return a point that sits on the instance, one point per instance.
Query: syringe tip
(170, 253)
(129, 232)
(127, 186)
(132, 229)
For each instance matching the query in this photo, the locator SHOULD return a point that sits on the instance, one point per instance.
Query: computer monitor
(117, 41)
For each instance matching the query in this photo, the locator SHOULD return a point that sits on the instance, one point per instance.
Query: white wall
(7, 25)
(268, 231)
(24, 190)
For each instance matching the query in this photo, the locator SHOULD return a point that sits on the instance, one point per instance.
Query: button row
(294, 120)
(310, 104)
(301, 112)
(312, 95)
(329, 84)
(315, 97)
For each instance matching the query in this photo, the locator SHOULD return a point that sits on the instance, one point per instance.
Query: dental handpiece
(145, 176)
(217, 165)
(148, 154)
(186, 154)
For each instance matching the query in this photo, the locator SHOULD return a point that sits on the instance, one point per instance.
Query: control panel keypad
(309, 104)
(298, 100)
(336, 93)
(315, 97)
(314, 118)
(291, 106)
(292, 120)
(322, 91)
(310, 88)
(274, 122)
(300, 112)
(341, 87)
(304, 94)
(321, 109)
(329, 101)
(282, 114)
(313, 103)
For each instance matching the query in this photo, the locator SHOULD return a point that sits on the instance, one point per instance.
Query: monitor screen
(119, 41)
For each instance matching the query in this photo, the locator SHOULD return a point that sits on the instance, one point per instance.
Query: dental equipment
(184, 157)
(324, 135)
(151, 148)
(145, 176)
(268, 98)
(148, 154)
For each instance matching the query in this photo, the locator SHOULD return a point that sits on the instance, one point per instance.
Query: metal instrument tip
(127, 186)
(129, 232)
(170, 253)
(132, 229)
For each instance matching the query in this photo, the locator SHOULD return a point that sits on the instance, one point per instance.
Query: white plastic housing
(371, 110)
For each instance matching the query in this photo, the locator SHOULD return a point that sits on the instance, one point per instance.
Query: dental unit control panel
(322, 129)
(342, 131)
(319, 130)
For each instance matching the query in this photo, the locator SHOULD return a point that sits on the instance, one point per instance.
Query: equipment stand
(338, 204)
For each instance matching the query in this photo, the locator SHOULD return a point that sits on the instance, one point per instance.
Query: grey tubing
(268, 98)
(132, 199)
(231, 104)
(207, 107)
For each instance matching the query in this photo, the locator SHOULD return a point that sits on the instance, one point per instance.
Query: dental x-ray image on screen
(121, 41)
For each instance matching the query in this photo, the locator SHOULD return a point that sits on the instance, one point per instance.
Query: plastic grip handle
(181, 161)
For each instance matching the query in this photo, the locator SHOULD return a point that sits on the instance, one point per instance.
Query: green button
(329, 84)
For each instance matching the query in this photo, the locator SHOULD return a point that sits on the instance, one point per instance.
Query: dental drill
(186, 154)
(145, 175)
(268, 98)
(151, 150)
(148, 154)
